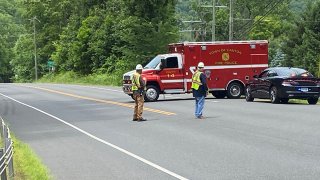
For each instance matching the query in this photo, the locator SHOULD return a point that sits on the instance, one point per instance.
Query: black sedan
(279, 84)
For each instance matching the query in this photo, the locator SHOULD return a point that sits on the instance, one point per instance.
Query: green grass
(27, 166)
(299, 101)
(74, 78)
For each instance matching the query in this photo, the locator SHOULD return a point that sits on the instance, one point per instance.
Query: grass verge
(299, 101)
(27, 166)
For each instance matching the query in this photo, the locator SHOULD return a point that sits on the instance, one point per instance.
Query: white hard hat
(200, 65)
(139, 67)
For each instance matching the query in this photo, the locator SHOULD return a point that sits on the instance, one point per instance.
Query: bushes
(71, 77)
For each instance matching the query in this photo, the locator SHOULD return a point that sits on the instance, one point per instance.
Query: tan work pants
(138, 108)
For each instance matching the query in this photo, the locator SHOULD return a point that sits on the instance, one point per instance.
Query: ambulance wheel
(219, 95)
(234, 90)
(131, 95)
(152, 93)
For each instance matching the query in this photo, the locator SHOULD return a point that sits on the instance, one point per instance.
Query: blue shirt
(202, 91)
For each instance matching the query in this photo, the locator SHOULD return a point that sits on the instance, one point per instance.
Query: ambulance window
(172, 62)
(153, 63)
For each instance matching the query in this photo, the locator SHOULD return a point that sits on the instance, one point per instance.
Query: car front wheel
(313, 100)
(249, 97)
(284, 100)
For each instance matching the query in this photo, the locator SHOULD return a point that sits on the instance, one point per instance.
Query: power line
(261, 19)
(266, 7)
(14, 36)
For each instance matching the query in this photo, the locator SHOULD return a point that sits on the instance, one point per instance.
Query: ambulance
(229, 66)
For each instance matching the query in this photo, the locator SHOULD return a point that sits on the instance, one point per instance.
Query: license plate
(304, 89)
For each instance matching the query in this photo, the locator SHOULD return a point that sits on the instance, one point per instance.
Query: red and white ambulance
(229, 65)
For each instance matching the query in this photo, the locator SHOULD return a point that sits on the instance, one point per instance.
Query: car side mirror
(163, 64)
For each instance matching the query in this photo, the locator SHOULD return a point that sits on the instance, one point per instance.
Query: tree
(10, 28)
(303, 46)
(23, 63)
(115, 35)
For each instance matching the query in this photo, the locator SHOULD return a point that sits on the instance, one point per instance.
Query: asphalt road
(83, 132)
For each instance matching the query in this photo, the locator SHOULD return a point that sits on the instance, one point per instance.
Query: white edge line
(103, 141)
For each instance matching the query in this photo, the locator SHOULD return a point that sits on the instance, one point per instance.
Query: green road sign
(50, 63)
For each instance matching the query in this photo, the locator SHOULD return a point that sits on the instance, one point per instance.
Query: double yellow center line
(102, 101)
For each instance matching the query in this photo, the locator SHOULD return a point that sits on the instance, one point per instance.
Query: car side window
(264, 74)
(172, 62)
(272, 74)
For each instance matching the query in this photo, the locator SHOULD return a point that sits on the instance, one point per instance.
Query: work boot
(200, 117)
(142, 119)
(134, 119)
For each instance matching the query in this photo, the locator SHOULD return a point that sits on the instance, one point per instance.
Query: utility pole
(35, 46)
(230, 22)
(213, 28)
(319, 68)
(213, 37)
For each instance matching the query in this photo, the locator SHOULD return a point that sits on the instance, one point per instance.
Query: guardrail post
(9, 149)
(2, 128)
(6, 153)
(5, 132)
(2, 161)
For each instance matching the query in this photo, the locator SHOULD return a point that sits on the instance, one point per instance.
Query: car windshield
(153, 63)
(291, 72)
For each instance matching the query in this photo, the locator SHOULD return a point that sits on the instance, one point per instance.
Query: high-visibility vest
(135, 82)
(196, 81)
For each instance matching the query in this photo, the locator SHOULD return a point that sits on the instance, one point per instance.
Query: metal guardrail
(6, 153)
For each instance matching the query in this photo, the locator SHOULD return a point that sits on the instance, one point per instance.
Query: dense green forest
(101, 39)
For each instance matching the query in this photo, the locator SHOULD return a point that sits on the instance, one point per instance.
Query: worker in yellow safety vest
(199, 90)
(138, 89)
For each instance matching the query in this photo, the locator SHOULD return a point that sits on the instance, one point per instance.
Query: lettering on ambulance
(225, 56)
(171, 77)
(170, 74)
(225, 50)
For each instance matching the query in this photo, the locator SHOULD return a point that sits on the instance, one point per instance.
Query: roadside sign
(50, 64)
